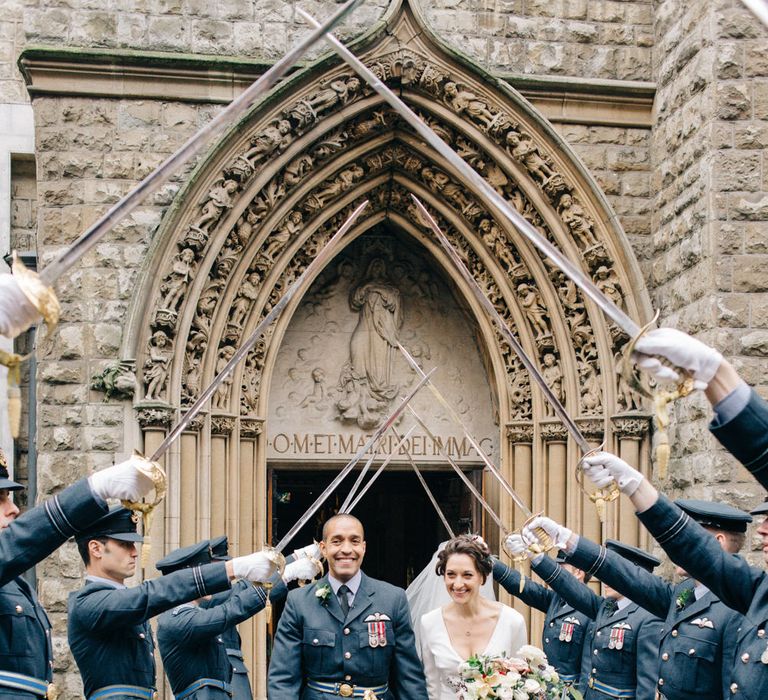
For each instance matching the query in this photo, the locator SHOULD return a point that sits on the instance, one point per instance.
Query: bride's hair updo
(473, 547)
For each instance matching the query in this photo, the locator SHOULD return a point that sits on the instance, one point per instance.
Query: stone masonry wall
(710, 215)
(91, 152)
(591, 38)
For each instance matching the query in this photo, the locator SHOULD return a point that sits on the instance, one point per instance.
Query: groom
(348, 635)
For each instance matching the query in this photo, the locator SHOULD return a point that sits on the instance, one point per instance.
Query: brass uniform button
(661, 681)
(734, 688)
(346, 630)
(347, 678)
(347, 655)
(665, 656)
(761, 633)
(674, 633)
(691, 652)
(19, 609)
(745, 657)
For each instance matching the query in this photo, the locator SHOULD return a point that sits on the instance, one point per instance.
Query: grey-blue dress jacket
(314, 641)
(739, 585)
(699, 636)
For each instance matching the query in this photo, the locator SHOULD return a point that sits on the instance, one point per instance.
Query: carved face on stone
(566, 201)
(549, 359)
(159, 339)
(284, 126)
(451, 90)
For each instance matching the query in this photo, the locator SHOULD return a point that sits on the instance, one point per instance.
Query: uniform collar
(106, 581)
(622, 603)
(353, 584)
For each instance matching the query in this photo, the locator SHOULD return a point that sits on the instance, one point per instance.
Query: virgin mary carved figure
(365, 384)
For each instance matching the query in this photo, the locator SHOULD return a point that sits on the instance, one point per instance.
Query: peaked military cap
(184, 557)
(119, 524)
(718, 515)
(5, 480)
(633, 554)
(220, 548)
(762, 509)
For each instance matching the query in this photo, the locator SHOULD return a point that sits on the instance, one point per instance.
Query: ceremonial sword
(356, 497)
(193, 146)
(600, 496)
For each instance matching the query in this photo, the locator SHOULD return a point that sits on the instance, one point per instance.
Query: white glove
(303, 569)
(124, 481)
(682, 351)
(516, 545)
(256, 567)
(597, 474)
(557, 533)
(627, 478)
(17, 313)
(311, 551)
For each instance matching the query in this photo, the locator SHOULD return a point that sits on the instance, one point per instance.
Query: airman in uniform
(26, 656)
(191, 637)
(700, 631)
(348, 635)
(108, 628)
(739, 585)
(565, 627)
(624, 644)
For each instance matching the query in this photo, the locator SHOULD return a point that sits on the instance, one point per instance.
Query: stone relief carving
(553, 375)
(156, 365)
(117, 380)
(365, 382)
(154, 417)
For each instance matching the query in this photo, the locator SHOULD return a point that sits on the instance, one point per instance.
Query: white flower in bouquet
(521, 695)
(533, 655)
(531, 686)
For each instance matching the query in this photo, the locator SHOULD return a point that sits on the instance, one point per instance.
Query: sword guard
(661, 397)
(41, 296)
(600, 497)
(154, 472)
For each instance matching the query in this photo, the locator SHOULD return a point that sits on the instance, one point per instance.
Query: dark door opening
(402, 528)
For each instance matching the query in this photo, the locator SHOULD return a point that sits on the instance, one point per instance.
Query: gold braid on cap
(153, 471)
(42, 297)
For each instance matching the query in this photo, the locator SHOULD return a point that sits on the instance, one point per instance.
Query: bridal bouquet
(526, 676)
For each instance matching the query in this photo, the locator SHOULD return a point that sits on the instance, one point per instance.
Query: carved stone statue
(576, 220)
(275, 137)
(608, 283)
(553, 375)
(246, 296)
(534, 310)
(365, 381)
(117, 380)
(177, 281)
(156, 365)
(339, 92)
(222, 391)
(520, 147)
(333, 188)
(219, 199)
(277, 239)
(466, 102)
(317, 397)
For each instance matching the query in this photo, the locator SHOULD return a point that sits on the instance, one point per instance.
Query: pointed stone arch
(273, 191)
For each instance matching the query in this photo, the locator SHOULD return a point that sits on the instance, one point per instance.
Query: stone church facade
(631, 134)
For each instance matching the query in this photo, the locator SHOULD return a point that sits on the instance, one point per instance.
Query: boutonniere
(322, 593)
(682, 600)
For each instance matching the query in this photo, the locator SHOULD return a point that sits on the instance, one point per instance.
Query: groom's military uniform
(565, 628)
(320, 653)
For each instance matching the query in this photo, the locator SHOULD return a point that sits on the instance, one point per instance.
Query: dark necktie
(610, 607)
(343, 600)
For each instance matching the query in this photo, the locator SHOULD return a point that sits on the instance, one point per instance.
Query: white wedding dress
(440, 658)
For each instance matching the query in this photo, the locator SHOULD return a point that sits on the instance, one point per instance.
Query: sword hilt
(600, 497)
(661, 397)
(544, 545)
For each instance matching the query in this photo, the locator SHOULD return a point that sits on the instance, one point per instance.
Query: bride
(469, 624)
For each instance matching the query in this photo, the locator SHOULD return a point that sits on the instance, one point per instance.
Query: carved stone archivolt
(275, 191)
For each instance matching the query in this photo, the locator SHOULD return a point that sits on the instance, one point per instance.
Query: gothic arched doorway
(276, 188)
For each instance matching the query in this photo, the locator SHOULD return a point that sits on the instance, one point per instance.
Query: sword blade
(428, 491)
(350, 465)
(759, 8)
(485, 302)
(473, 490)
(192, 147)
(489, 194)
(358, 481)
(456, 419)
(312, 268)
(378, 471)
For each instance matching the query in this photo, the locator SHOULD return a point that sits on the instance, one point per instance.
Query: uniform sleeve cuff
(211, 578)
(663, 519)
(588, 556)
(75, 509)
(547, 569)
